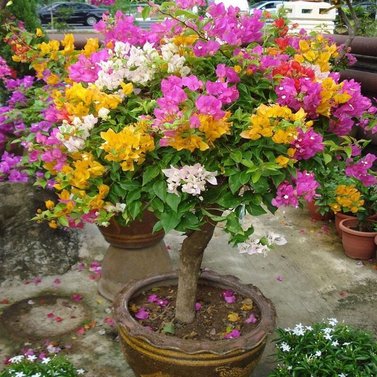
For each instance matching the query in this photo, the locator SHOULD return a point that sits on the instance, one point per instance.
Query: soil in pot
(220, 314)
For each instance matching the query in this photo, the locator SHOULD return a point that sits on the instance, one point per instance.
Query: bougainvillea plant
(201, 120)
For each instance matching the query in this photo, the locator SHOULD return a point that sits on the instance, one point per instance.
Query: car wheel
(91, 20)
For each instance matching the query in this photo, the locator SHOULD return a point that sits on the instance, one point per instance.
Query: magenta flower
(152, 298)
(251, 318)
(232, 334)
(198, 306)
(142, 314)
(285, 196)
(307, 144)
(205, 48)
(210, 105)
(229, 296)
(306, 185)
(360, 170)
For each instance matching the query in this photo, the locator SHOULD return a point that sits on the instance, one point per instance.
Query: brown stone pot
(152, 354)
(137, 235)
(357, 244)
(134, 253)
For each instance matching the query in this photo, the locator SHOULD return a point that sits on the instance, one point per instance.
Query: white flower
(252, 247)
(16, 359)
(46, 360)
(332, 321)
(274, 238)
(299, 330)
(335, 343)
(342, 375)
(31, 357)
(80, 371)
(285, 347)
(318, 353)
(328, 336)
(103, 113)
(20, 374)
(191, 178)
(37, 375)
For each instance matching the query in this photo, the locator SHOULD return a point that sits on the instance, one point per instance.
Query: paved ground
(308, 279)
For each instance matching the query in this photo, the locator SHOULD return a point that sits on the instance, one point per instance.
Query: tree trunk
(190, 261)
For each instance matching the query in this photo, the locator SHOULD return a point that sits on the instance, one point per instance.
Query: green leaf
(234, 183)
(173, 201)
(150, 173)
(168, 328)
(186, 14)
(133, 196)
(146, 12)
(134, 209)
(326, 158)
(160, 189)
(169, 221)
(236, 156)
(63, 221)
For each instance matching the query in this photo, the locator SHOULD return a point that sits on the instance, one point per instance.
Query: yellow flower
(127, 89)
(52, 224)
(214, 128)
(52, 79)
(282, 161)
(185, 40)
(39, 32)
(49, 204)
(128, 146)
(91, 46)
(68, 43)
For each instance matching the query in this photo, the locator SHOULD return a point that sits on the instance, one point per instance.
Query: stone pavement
(308, 279)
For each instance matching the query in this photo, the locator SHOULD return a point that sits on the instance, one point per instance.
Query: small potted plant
(40, 366)
(325, 349)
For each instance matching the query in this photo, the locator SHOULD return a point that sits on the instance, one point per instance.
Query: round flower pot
(153, 354)
(357, 244)
(314, 213)
(339, 216)
(134, 253)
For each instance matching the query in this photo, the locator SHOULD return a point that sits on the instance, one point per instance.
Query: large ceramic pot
(153, 354)
(134, 253)
(357, 244)
(339, 216)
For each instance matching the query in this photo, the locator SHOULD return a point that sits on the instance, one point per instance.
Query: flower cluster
(200, 117)
(33, 366)
(325, 349)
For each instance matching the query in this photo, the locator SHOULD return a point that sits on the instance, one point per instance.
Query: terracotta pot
(137, 235)
(134, 253)
(357, 244)
(315, 215)
(339, 216)
(153, 354)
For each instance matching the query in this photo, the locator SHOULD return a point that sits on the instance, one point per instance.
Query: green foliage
(57, 366)
(325, 349)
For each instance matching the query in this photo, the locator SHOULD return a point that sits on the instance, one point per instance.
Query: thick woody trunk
(189, 268)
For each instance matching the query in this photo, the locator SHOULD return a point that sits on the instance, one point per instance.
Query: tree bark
(191, 256)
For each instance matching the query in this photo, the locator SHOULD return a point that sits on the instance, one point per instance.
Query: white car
(242, 4)
(270, 6)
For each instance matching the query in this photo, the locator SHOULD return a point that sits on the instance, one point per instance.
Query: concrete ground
(308, 279)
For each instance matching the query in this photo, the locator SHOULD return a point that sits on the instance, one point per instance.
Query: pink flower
(142, 314)
(198, 306)
(76, 297)
(232, 334)
(229, 296)
(210, 105)
(251, 318)
(285, 196)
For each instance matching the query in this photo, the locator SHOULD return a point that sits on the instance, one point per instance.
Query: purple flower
(210, 105)
(360, 170)
(205, 48)
(251, 318)
(229, 296)
(285, 196)
(306, 185)
(232, 334)
(307, 144)
(142, 314)
(198, 306)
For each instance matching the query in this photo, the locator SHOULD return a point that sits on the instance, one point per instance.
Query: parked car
(71, 13)
(270, 6)
(242, 4)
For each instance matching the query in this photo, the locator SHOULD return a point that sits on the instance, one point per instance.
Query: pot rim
(246, 341)
(345, 224)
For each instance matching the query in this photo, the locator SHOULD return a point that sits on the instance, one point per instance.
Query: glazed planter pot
(135, 252)
(153, 354)
(357, 244)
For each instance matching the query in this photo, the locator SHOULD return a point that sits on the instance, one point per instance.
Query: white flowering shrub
(33, 366)
(325, 349)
